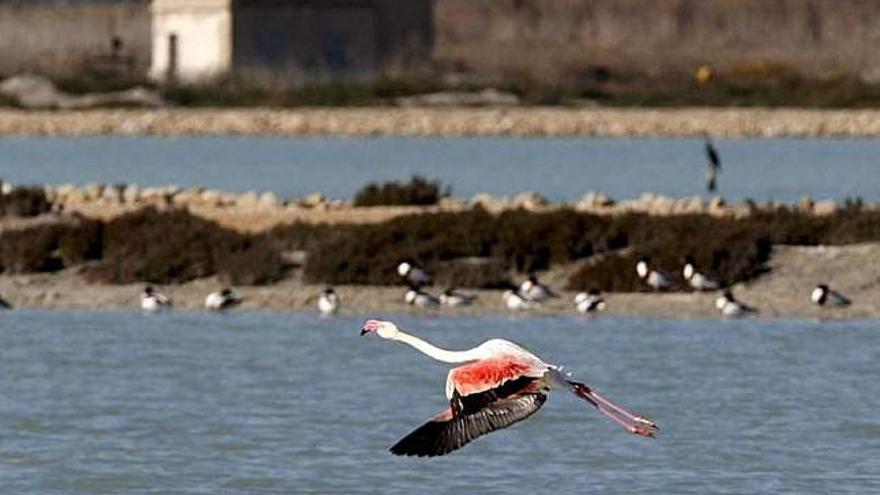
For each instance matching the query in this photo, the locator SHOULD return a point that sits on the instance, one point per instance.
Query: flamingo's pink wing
(471, 416)
(491, 373)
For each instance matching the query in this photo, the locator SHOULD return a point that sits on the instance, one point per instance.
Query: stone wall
(572, 39)
(74, 38)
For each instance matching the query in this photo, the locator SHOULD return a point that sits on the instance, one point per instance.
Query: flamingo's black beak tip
(364, 331)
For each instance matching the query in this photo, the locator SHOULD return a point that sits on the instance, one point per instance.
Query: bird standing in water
(714, 165)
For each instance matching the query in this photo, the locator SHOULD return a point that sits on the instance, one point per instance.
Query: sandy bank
(784, 292)
(392, 121)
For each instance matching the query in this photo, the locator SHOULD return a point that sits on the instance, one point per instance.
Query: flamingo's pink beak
(369, 327)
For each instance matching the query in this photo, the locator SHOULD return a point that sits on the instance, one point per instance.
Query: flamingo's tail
(633, 424)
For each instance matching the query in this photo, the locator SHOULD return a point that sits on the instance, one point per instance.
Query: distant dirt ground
(783, 292)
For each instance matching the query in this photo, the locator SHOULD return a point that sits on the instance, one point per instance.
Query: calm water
(560, 169)
(113, 402)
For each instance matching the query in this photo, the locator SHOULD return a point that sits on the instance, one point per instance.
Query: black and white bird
(455, 298)
(154, 302)
(224, 299)
(730, 307)
(657, 279)
(328, 303)
(533, 290)
(417, 297)
(589, 302)
(697, 279)
(413, 274)
(825, 297)
(4, 304)
(515, 301)
(714, 165)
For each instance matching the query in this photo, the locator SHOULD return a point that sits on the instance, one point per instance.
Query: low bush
(49, 247)
(418, 191)
(175, 246)
(24, 202)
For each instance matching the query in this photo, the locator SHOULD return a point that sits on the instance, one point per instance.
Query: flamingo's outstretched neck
(635, 424)
(436, 352)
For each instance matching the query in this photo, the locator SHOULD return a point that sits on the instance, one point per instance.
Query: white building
(192, 39)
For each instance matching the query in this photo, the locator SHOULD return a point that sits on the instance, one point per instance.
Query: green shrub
(418, 191)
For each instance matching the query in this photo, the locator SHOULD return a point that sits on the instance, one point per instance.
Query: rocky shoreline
(460, 121)
(256, 211)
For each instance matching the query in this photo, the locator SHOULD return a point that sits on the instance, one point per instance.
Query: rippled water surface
(115, 402)
(560, 169)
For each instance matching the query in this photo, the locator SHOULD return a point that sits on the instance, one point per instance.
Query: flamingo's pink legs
(634, 424)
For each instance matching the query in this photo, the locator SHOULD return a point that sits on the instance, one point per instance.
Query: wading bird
(534, 290)
(499, 384)
(731, 307)
(224, 299)
(657, 279)
(154, 302)
(328, 303)
(455, 298)
(514, 301)
(417, 297)
(589, 302)
(413, 274)
(824, 296)
(697, 279)
(714, 165)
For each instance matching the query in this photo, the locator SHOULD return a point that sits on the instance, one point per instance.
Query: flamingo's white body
(154, 302)
(498, 384)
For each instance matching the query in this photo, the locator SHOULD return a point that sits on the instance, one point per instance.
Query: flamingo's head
(384, 329)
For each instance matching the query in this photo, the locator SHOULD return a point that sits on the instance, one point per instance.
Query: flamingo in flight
(498, 384)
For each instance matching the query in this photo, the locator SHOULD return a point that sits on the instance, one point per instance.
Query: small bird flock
(529, 295)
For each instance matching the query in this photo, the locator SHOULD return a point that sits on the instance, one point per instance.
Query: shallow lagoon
(560, 169)
(187, 402)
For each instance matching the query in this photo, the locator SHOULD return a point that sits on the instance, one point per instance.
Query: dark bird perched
(4, 304)
(824, 296)
(714, 165)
